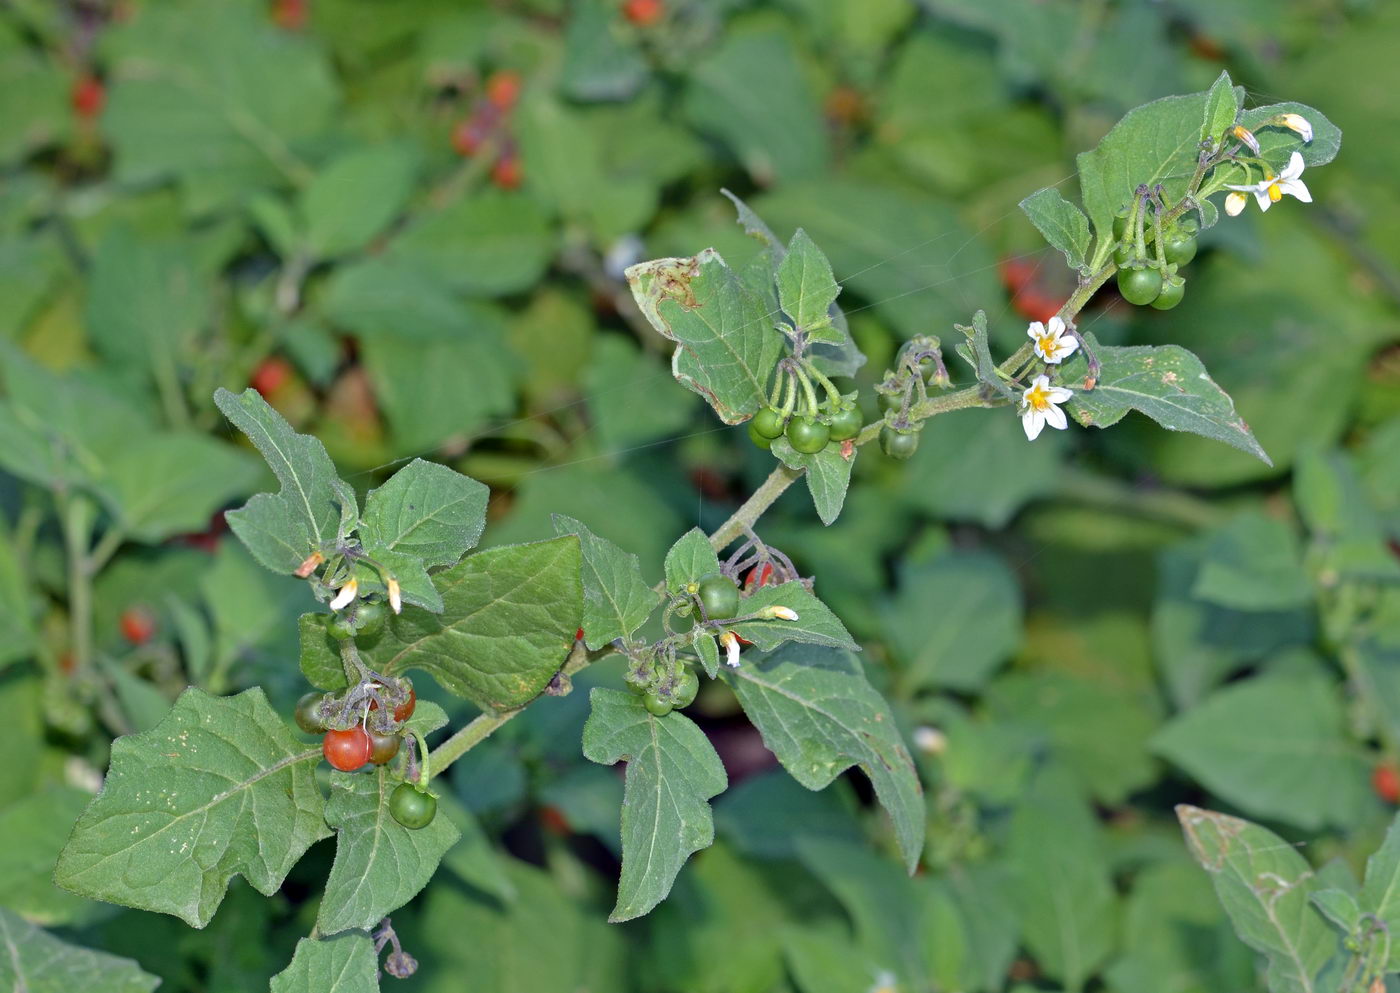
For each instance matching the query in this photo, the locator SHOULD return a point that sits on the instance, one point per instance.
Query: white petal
(1058, 394)
(1262, 197)
(1033, 421)
(1042, 381)
(1057, 326)
(1297, 188)
(1068, 346)
(1055, 417)
(1298, 123)
(1294, 169)
(1249, 188)
(346, 595)
(1035, 330)
(1235, 204)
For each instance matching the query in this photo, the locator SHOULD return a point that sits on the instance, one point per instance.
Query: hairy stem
(778, 480)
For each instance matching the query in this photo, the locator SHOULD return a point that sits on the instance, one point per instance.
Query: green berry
(768, 423)
(1139, 285)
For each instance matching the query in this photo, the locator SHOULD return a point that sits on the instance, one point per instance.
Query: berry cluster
(793, 411)
(487, 128)
(1151, 278)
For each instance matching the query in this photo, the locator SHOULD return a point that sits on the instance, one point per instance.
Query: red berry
(644, 13)
(506, 173)
(554, 821)
(290, 15)
(578, 635)
(503, 89)
(347, 750)
(404, 710)
(270, 374)
(1385, 780)
(467, 138)
(138, 625)
(88, 96)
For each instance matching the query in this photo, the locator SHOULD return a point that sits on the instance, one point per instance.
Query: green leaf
(1265, 886)
(171, 483)
(379, 864)
(1156, 143)
(815, 624)
(31, 848)
(672, 770)
(1380, 892)
(37, 962)
(1165, 382)
(977, 353)
(218, 788)
(320, 654)
(16, 608)
(780, 136)
(601, 60)
(726, 343)
(282, 529)
(1253, 563)
(1277, 143)
(1062, 223)
(1339, 907)
(807, 289)
(690, 558)
(1222, 107)
(622, 379)
(819, 716)
(768, 814)
(509, 619)
(427, 511)
(707, 649)
(1065, 895)
(616, 600)
(355, 198)
(828, 475)
(953, 620)
(346, 963)
(489, 244)
(222, 101)
(1276, 746)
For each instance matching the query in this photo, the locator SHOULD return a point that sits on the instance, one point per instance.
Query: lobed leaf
(217, 789)
(819, 716)
(726, 342)
(828, 475)
(672, 770)
(807, 289)
(37, 962)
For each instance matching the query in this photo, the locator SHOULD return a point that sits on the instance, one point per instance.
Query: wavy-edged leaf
(726, 341)
(1277, 143)
(282, 529)
(1165, 382)
(807, 289)
(379, 864)
(320, 653)
(1222, 107)
(346, 963)
(217, 789)
(616, 600)
(425, 510)
(34, 961)
(1266, 888)
(509, 618)
(1380, 893)
(819, 716)
(672, 771)
(690, 558)
(1062, 223)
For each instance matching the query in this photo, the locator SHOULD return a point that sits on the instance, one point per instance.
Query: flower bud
(395, 596)
(346, 595)
(778, 613)
(309, 564)
(1295, 122)
(730, 641)
(1234, 203)
(930, 740)
(1247, 136)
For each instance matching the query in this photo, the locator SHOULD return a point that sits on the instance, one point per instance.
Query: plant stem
(76, 515)
(484, 725)
(778, 480)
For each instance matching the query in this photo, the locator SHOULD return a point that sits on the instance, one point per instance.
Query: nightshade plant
(223, 787)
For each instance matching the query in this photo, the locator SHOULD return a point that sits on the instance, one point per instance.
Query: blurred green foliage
(405, 223)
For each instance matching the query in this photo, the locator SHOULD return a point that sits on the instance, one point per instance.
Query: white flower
(1053, 344)
(730, 641)
(1270, 189)
(395, 595)
(346, 595)
(1039, 406)
(1235, 204)
(1295, 122)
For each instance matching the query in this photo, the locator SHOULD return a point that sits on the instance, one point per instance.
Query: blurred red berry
(554, 821)
(578, 635)
(88, 96)
(138, 625)
(503, 89)
(290, 15)
(506, 173)
(1385, 780)
(644, 13)
(844, 105)
(270, 374)
(467, 138)
(1028, 299)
